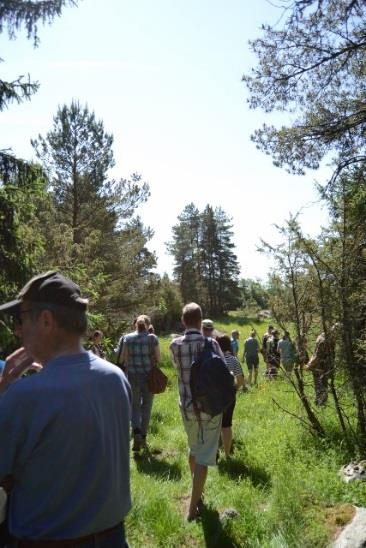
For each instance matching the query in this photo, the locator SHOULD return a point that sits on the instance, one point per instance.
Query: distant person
(64, 433)
(235, 368)
(265, 338)
(96, 344)
(321, 364)
(302, 354)
(286, 350)
(203, 431)
(235, 335)
(272, 355)
(251, 357)
(140, 353)
(208, 328)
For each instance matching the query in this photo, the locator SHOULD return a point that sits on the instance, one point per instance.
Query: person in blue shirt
(64, 433)
(235, 335)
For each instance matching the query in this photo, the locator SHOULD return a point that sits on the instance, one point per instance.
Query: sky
(165, 78)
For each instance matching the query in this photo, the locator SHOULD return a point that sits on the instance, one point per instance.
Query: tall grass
(276, 491)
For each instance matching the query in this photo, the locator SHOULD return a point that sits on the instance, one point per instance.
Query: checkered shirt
(140, 351)
(184, 351)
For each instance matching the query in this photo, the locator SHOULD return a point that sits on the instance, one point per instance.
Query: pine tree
(91, 230)
(312, 64)
(13, 15)
(186, 250)
(205, 265)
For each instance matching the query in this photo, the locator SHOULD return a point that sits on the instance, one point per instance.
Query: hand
(15, 366)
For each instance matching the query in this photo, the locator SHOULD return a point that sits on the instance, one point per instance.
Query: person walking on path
(203, 431)
(140, 353)
(302, 354)
(235, 335)
(235, 369)
(251, 357)
(265, 338)
(286, 350)
(208, 329)
(321, 364)
(64, 433)
(273, 355)
(96, 344)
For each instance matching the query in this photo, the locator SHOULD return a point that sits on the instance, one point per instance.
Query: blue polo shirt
(64, 436)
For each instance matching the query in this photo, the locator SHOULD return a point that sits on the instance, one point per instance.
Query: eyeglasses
(17, 318)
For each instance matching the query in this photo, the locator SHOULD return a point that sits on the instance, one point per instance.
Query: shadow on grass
(214, 532)
(235, 468)
(147, 463)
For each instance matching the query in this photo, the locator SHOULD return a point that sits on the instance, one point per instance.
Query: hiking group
(65, 431)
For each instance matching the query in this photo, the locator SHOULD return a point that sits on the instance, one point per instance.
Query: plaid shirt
(140, 351)
(184, 351)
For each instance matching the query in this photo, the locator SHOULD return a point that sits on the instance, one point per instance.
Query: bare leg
(192, 463)
(198, 484)
(227, 438)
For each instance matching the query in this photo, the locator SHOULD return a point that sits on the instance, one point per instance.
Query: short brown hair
(192, 314)
(142, 322)
(224, 342)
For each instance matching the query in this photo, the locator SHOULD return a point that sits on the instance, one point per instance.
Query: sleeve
(172, 355)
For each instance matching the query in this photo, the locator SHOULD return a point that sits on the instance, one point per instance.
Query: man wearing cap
(64, 433)
(207, 328)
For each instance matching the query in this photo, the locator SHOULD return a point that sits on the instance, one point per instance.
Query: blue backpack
(212, 385)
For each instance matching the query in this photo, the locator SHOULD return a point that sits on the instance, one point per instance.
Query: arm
(15, 366)
(124, 355)
(239, 380)
(157, 354)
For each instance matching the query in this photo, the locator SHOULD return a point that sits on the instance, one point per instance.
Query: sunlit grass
(280, 481)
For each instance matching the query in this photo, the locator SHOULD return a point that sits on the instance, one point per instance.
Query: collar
(192, 331)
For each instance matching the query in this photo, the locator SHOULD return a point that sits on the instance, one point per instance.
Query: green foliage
(22, 193)
(313, 65)
(205, 265)
(280, 480)
(166, 314)
(90, 227)
(13, 15)
(254, 294)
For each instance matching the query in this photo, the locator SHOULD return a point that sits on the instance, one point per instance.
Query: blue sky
(165, 78)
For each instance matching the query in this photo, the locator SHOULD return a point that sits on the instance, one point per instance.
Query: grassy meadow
(280, 488)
